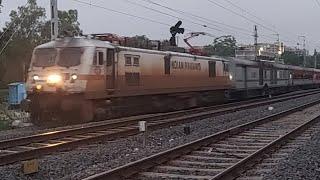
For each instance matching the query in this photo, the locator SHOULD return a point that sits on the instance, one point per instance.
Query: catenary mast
(54, 19)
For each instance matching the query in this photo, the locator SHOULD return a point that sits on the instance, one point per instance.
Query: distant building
(295, 50)
(265, 51)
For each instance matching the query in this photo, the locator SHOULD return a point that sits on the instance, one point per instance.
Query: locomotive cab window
(100, 58)
(110, 57)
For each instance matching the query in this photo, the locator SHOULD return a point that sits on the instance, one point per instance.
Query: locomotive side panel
(147, 73)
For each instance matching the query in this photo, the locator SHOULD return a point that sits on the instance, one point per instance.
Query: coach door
(110, 69)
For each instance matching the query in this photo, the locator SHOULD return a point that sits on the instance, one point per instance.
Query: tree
(21, 36)
(0, 5)
(292, 58)
(68, 25)
(222, 46)
(138, 42)
(26, 29)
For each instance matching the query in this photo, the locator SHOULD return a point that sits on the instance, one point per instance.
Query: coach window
(212, 69)
(225, 67)
(136, 61)
(128, 61)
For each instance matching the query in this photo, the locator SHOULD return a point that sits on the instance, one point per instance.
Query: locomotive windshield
(64, 57)
(70, 57)
(45, 57)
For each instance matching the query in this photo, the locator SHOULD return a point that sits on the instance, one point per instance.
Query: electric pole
(315, 58)
(304, 51)
(256, 42)
(54, 19)
(277, 48)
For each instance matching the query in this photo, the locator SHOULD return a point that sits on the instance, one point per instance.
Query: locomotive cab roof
(75, 42)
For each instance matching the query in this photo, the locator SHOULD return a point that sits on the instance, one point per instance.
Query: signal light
(174, 30)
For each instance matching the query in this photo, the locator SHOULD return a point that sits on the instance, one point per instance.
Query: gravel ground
(91, 159)
(303, 163)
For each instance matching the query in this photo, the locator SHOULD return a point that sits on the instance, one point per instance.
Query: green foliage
(4, 125)
(139, 42)
(292, 58)
(21, 33)
(68, 21)
(26, 29)
(0, 5)
(222, 46)
(68, 25)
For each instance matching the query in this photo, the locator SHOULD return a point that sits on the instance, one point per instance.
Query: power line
(170, 15)
(248, 12)
(9, 26)
(203, 19)
(209, 21)
(318, 2)
(253, 15)
(238, 14)
(123, 13)
(7, 43)
(132, 15)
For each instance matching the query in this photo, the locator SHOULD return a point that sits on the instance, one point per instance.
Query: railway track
(37, 145)
(224, 155)
(265, 166)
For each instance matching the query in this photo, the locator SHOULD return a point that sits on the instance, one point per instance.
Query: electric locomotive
(82, 79)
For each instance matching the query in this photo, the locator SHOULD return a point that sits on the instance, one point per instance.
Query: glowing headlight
(74, 77)
(35, 77)
(38, 87)
(230, 76)
(54, 79)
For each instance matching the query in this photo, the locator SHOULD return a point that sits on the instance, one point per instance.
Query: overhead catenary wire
(248, 12)
(318, 2)
(287, 39)
(7, 43)
(194, 16)
(238, 14)
(170, 15)
(198, 18)
(139, 17)
(11, 24)
(10, 39)
(209, 21)
(250, 20)
(123, 13)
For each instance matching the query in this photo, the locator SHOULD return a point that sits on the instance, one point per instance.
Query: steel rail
(133, 168)
(108, 131)
(235, 170)
(220, 109)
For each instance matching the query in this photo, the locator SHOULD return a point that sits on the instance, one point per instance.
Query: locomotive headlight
(74, 77)
(35, 77)
(230, 76)
(54, 79)
(39, 87)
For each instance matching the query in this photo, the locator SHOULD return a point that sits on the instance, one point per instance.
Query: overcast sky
(291, 18)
